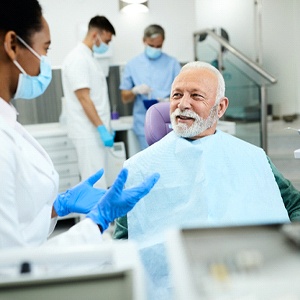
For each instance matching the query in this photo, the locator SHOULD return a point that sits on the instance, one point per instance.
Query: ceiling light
(133, 6)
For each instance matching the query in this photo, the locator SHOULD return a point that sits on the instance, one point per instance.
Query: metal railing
(253, 65)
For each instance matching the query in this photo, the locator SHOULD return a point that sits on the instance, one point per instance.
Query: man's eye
(176, 95)
(197, 96)
(47, 50)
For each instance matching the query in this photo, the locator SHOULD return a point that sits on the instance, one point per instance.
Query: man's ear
(223, 104)
(94, 34)
(10, 44)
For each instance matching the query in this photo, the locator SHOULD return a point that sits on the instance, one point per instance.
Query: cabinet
(53, 138)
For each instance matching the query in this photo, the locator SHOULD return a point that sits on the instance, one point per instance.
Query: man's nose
(184, 102)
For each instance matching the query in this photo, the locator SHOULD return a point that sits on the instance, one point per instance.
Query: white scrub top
(81, 70)
(28, 188)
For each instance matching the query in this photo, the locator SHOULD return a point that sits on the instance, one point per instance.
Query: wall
(296, 40)
(281, 52)
(280, 41)
(235, 16)
(66, 17)
(280, 37)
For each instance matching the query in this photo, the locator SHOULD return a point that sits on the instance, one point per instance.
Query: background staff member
(87, 102)
(150, 73)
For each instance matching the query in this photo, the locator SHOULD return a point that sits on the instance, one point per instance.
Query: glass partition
(244, 80)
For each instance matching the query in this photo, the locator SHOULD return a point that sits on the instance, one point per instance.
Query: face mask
(153, 53)
(100, 49)
(30, 87)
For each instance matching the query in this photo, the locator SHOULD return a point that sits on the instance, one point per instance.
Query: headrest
(157, 122)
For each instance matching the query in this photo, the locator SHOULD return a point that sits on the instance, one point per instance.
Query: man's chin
(185, 133)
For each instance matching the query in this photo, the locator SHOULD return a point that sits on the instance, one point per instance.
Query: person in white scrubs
(87, 108)
(29, 204)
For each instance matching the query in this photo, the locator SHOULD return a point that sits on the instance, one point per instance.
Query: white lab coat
(28, 188)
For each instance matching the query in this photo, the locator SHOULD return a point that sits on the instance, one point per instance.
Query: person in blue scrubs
(148, 76)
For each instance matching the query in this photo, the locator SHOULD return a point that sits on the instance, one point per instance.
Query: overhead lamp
(133, 6)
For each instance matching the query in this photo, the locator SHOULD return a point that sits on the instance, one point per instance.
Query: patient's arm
(121, 231)
(290, 195)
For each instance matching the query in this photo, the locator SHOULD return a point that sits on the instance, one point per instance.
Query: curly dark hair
(24, 17)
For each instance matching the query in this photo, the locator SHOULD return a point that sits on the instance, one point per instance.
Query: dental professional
(29, 204)
(151, 73)
(208, 177)
(87, 106)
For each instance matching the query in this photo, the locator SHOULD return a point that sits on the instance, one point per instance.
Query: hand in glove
(81, 198)
(106, 137)
(167, 99)
(142, 89)
(117, 202)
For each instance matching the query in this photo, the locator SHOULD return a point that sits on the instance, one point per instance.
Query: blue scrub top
(158, 74)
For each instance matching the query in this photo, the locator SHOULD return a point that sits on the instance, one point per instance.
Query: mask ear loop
(19, 67)
(99, 38)
(28, 47)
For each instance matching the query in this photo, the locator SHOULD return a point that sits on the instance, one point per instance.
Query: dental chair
(157, 122)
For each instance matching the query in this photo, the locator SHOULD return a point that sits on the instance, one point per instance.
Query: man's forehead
(194, 77)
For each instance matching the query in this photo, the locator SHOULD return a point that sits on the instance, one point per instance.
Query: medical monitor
(247, 262)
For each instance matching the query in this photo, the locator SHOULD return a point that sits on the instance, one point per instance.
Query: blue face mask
(100, 49)
(153, 53)
(30, 87)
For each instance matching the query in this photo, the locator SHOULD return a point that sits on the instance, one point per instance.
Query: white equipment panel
(116, 158)
(109, 271)
(236, 263)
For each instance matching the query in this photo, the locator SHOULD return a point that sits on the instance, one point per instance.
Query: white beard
(198, 126)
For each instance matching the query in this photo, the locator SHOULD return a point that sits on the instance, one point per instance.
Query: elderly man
(208, 178)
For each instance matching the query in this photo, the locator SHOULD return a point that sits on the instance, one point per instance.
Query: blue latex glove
(81, 198)
(117, 202)
(106, 137)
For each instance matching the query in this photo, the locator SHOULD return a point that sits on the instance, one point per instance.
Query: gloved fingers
(144, 188)
(109, 143)
(167, 99)
(118, 185)
(141, 89)
(145, 86)
(147, 91)
(94, 178)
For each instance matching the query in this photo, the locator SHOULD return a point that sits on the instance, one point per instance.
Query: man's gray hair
(152, 31)
(207, 66)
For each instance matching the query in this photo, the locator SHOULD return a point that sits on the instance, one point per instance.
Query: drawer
(56, 142)
(67, 183)
(65, 170)
(63, 156)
